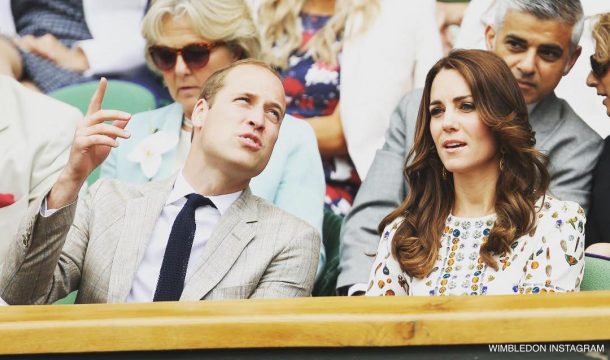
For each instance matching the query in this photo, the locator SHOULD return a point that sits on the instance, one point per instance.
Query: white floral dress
(551, 259)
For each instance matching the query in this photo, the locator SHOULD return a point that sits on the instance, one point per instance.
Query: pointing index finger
(96, 100)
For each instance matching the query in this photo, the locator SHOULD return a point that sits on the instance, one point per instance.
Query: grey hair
(567, 11)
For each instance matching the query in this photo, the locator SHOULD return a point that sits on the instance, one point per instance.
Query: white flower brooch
(148, 152)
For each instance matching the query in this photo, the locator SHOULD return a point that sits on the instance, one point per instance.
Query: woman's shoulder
(551, 207)
(558, 218)
(156, 119)
(295, 133)
(390, 229)
(295, 127)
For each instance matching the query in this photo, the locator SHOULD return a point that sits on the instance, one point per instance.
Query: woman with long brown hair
(477, 219)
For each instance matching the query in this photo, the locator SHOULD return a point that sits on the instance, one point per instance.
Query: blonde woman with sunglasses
(186, 42)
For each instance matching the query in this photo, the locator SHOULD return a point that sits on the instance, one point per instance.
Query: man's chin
(246, 169)
(531, 99)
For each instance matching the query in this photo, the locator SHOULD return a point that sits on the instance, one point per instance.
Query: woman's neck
(475, 193)
(319, 7)
(187, 124)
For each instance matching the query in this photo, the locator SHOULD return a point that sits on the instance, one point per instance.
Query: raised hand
(92, 143)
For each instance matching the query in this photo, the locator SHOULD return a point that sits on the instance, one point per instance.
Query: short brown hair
(216, 81)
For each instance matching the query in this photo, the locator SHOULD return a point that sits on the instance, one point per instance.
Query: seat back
(597, 273)
(120, 95)
(327, 281)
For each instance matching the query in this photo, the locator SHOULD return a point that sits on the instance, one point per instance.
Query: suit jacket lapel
(4, 121)
(545, 117)
(141, 216)
(234, 231)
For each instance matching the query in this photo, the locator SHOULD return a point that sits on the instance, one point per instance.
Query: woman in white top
(477, 219)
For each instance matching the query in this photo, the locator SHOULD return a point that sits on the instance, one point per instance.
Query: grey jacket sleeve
(382, 191)
(572, 147)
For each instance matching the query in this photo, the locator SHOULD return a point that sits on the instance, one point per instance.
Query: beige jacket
(256, 250)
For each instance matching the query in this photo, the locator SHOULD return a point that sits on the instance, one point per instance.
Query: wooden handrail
(307, 322)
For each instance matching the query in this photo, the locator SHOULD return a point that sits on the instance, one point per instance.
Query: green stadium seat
(327, 281)
(597, 273)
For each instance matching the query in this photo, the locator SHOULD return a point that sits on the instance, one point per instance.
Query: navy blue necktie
(178, 250)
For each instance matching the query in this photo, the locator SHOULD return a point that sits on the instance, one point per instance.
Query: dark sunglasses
(194, 55)
(599, 69)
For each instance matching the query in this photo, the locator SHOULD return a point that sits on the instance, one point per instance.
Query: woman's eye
(242, 98)
(467, 106)
(436, 111)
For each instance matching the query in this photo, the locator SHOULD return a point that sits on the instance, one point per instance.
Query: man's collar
(530, 107)
(182, 188)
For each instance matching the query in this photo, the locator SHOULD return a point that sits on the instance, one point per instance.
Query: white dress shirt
(206, 218)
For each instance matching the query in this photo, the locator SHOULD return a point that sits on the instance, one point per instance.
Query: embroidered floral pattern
(548, 260)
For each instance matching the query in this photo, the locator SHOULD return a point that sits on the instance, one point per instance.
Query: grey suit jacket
(96, 245)
(572, 146)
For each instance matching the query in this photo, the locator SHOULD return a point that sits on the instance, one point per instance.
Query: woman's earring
(444, 173)
(502, 152)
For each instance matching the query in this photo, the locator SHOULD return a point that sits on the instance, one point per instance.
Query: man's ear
(573, 57)
(200, 112)
(490, 37)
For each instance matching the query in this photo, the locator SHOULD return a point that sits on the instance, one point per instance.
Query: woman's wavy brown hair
(500, 105)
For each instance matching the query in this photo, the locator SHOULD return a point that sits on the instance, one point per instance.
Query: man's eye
(275, 115)
(243, 98)
(549, 55)
(514, 45)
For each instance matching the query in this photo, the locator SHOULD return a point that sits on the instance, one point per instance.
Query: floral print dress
(550, 259)
(313, 89)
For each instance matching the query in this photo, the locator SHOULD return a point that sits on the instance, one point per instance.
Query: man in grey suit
(539, 42)
(198, 235)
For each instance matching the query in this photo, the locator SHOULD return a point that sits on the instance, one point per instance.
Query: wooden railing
(309, 322)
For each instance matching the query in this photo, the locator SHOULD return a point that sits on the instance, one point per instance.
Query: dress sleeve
(557, 262)
(387, 278)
